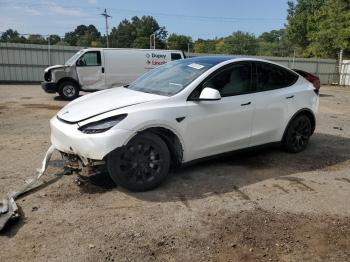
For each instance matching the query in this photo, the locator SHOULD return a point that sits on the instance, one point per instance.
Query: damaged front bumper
(67, 138)
(73, 163)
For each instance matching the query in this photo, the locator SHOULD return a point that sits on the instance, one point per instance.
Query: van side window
(175, 56)
(270, 77)
(92, 58)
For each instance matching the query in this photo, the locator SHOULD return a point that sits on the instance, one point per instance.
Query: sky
(198, 19)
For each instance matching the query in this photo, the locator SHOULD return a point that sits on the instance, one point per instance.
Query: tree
(124, 35)
(220, 46)
(273, 43)
(145, 27)
(12, 36)
(136, 33)
(199, 47)
(329, 29)
(54, 39)
(36, 39)
(83, 36)
(299, 16)
(179, 42)
(241, 43)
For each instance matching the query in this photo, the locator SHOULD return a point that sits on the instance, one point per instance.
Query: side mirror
(80, 62)
(209, 94)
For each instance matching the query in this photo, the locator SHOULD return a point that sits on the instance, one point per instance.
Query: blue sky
(199, 19)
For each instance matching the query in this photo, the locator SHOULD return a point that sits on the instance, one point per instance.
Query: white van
(94, 69)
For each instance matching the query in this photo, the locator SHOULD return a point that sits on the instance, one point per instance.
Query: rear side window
(175, 56)
(270, 77)
(92, 58)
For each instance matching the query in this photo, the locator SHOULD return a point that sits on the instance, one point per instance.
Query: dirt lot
(261, 206)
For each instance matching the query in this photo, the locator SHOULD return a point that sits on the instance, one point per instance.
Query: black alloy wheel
(298, 134)
(140, 165)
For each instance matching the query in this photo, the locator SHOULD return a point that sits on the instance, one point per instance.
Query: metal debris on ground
(9, 209)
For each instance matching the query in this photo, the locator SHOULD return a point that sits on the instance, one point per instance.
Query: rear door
(274, 94)
(90, 71)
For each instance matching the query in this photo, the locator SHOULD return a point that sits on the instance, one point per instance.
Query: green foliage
(273, 43)
(136, 33)
(54, 39)
(12, 36)
(36, 39)
(329, 29)
(299, 22)
(83, 36)
(179, 42)
(124, 35)
(241, 43)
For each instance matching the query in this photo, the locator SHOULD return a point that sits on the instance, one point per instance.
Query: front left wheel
(68, 90)
(140, 165)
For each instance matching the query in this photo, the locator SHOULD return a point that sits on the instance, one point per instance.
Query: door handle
(289, 97)
(103, 70)
(246, 104)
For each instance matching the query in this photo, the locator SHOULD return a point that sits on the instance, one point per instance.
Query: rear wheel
(298, 134)
(68, 90)
(140, 165)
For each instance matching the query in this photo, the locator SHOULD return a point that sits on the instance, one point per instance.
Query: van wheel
(68, 90)
(298, 134)
(140, 165)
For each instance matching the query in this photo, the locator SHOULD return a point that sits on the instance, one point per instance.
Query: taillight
(315, 80)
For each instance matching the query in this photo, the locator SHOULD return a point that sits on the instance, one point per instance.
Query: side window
(235, 80)
(270, 77)
(175, 56)
(92, 58)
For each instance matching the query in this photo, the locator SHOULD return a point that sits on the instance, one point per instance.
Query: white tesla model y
(186, 110)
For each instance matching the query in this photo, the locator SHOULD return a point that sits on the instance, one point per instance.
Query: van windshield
(71, 60)
(169, 79)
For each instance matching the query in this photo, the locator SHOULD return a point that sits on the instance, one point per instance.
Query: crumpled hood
(53, 67)
(103, 101)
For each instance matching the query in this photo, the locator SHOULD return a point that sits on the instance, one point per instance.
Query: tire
(142, 164)
(298, 134)
(68, 90)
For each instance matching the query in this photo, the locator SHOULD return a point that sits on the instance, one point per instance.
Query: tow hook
(9, 209)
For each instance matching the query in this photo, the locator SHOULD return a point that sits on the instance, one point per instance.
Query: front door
(215, 127)
(90, 71)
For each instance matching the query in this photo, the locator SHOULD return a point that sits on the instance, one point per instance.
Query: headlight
(102, 125)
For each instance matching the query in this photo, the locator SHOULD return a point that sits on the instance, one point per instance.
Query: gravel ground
(265, 205)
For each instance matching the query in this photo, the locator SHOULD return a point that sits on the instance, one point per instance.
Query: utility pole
(152, 45)
(49, 49)
(106, 18)
(341, 66)
(294, 54)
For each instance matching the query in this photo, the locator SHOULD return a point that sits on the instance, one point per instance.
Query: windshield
(73, 58)
(171, 78)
